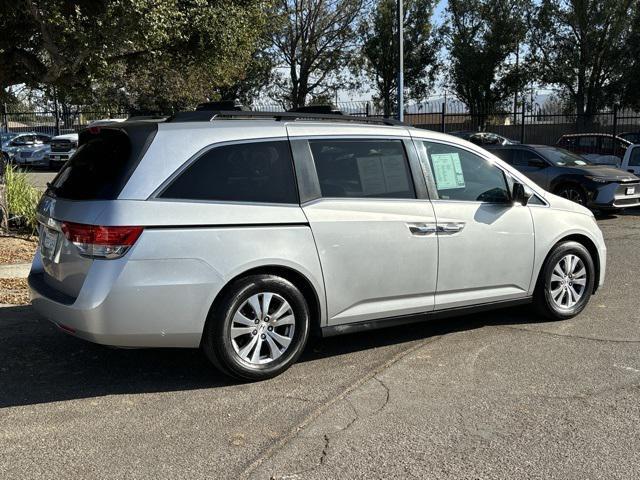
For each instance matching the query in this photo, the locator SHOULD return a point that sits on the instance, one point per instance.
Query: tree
(149, 53)
(482, 35)
(315, 40)
(380, 49)
(582, 47)
(631, 74)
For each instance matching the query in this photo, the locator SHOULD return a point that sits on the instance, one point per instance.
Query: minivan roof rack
(209, 115)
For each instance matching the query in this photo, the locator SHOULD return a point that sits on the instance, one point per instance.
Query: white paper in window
(371, 175)
(447, 171)
(395, 174)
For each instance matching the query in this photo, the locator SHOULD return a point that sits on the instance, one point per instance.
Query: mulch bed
(18, 248)
(14, 291)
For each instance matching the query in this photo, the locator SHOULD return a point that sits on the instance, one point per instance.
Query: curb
(17, 270)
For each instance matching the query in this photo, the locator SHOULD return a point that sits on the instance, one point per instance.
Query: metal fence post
(524, 111)
(368, 112)
(5, 119)
(443, 119)
(56, 113)
(615, 119)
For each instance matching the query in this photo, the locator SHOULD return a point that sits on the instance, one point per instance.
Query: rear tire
(258, 328)
(566, 281)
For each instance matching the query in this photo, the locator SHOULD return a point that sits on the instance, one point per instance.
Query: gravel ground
(490, 396)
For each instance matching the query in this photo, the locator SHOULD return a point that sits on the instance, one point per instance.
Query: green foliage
(379, 30)
(587, 48)
(22, 198)
(482, 36)
(149, 54)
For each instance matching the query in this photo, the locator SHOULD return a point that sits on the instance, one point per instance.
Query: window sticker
(394, 173)
(447, 170)
(371, 176)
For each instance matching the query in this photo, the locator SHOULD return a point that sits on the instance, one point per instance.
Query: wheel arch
(591, 247)
(300, 280)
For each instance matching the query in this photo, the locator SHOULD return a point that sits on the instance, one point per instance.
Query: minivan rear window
(245, 172)
(103, 163)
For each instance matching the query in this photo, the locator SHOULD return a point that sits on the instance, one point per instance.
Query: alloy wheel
(573, 194)
(262, 328)
(568, 281)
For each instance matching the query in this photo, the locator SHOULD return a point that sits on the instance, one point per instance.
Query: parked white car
(62, 148)
(631, 160)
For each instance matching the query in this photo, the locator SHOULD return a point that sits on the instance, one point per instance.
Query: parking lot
(494, 395)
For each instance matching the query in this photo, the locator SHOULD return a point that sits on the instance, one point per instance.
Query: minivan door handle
(421, 229)
(451, 227)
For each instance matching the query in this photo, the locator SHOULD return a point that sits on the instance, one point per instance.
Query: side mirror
(521, 194)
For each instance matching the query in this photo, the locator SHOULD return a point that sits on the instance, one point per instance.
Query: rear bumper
(122, 304)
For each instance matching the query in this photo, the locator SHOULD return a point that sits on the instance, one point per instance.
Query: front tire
(572, 192)
(565, 282)
(258, 328)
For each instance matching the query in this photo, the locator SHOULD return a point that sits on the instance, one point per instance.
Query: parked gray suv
(243, 232)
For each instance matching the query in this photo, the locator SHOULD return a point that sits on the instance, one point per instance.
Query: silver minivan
(242, 233)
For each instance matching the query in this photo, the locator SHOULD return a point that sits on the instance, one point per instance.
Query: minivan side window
(362, 168)
(464, 176)
(245, 172)
(634, 160)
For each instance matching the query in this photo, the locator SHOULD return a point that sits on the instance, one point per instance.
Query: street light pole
(400, 60)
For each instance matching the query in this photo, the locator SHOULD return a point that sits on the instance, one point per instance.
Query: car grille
(25, 154)
(61, 146)
(622, 188)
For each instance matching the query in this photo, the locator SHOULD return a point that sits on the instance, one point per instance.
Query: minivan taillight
(101, 242)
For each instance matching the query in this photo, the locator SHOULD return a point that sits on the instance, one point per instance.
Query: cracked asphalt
(490, 396)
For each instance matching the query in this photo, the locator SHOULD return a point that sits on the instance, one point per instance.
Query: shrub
(22, 198)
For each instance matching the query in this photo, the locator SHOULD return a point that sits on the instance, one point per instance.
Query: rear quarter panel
(189, 251)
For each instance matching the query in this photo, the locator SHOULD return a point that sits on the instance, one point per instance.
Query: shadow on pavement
(40, 364)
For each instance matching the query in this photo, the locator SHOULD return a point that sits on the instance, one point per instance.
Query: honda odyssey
(242, 233)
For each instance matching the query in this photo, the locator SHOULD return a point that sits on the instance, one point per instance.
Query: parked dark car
(596, 147)
(484, 138)
(571, 176)
(633, 137)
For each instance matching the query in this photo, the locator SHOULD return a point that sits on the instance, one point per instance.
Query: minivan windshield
(563, 158)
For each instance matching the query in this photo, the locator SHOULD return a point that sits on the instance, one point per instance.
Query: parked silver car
(241, 234)
(24, 142)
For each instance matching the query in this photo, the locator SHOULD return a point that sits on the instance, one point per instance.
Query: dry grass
(14, 291)
(17, 249)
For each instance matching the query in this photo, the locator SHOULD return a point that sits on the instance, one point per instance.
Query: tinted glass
(563, 158)
(634, 160)
(246, 172)
(509, 155)
(362, 168)
(531, 159)
(462, 175)
(588, 142)
(104, 162)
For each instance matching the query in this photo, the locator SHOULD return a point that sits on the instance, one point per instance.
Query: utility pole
(515, 94)
(400, 61)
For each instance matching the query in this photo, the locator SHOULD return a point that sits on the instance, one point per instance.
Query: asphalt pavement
(489, 396)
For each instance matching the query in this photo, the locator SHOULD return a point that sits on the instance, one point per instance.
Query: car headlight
(598, 179)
